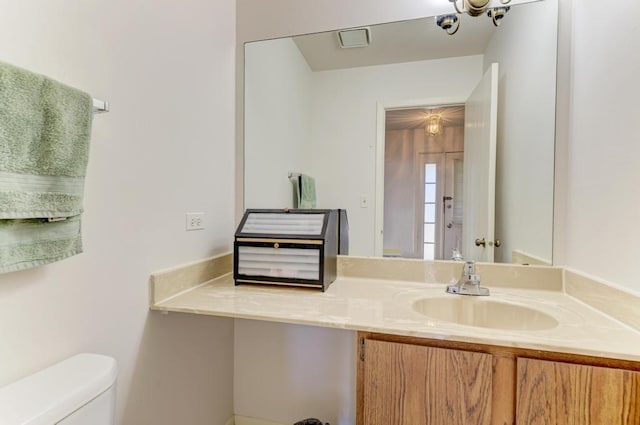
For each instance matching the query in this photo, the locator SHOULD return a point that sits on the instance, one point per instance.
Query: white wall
(344, 115)
(285, 373)
(278, 89)
(165, 148)
(600, 218)
(525, 48)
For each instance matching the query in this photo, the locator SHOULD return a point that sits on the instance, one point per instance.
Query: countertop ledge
(385, 306)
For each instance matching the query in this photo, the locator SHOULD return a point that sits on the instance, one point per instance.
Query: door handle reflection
(481, 242)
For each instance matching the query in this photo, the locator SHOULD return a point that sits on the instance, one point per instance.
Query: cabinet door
(414, 385)
(556, 393)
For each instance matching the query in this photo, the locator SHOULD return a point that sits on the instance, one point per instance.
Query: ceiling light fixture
(497, 13)
(433, 124)
(451, 23)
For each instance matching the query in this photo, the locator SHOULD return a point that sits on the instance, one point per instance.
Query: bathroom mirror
(312, 107)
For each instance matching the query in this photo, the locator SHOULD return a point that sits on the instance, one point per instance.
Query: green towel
(307, 192)
(45, 127)
(26, 243)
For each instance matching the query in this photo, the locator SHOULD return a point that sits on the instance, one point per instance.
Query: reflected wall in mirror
(313, 108)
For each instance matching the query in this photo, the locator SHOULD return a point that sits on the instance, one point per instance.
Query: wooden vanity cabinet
(407, 381)
(415, 381)
(410, 384)
(566, 394)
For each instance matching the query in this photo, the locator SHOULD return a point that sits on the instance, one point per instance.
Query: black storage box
(286, 247)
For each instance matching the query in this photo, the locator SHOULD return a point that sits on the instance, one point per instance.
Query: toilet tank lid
(50, 395)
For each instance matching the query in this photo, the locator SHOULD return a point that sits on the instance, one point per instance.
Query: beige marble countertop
(385, 306)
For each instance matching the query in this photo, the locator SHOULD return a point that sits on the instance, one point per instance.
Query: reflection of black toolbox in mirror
(287, 247)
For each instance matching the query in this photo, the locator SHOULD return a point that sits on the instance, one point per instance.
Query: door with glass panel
(430, 216)
(440, 218)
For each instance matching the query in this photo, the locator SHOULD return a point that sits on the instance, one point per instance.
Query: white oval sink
(484, 312)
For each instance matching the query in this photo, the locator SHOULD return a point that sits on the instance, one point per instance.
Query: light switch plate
(364, 201)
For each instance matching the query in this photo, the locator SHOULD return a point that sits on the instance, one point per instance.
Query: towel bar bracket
(100, 106)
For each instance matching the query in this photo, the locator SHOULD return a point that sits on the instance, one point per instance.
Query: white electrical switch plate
(364, 201)
(195, 221)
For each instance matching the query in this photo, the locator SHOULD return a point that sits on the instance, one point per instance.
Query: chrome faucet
(469, 282)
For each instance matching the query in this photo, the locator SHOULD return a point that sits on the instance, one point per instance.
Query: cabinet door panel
(415, 385)
(556, 393)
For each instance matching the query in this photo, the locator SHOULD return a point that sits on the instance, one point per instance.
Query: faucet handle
(469, 268)
(469, 275)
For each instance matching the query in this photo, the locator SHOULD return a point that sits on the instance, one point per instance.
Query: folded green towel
(28, 243)
(45, 128)
(307, 194)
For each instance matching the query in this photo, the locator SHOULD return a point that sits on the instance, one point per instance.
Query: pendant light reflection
(433, 124)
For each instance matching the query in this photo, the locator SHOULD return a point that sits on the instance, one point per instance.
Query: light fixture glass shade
(433, 125)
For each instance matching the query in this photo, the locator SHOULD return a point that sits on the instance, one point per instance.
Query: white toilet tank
(76, 391)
